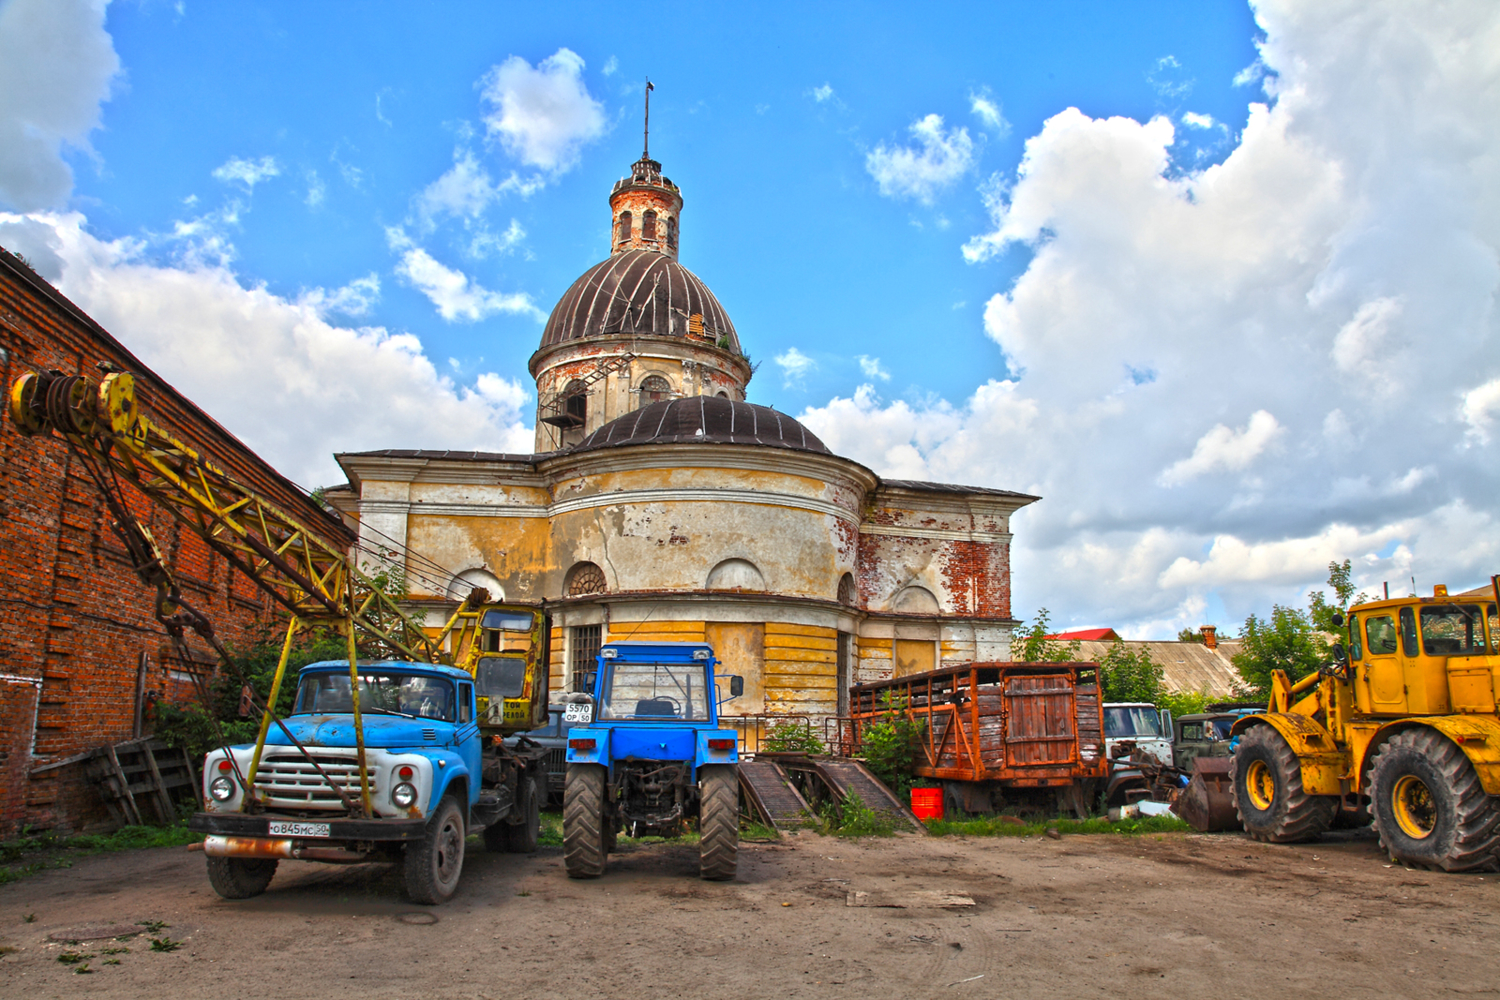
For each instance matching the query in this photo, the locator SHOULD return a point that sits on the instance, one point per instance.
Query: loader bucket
(1207, 803)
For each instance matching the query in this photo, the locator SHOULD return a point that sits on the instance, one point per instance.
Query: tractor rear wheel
(718, 821)
(583, 821)
(240, 878)
(1430, 810)
(1268, 793)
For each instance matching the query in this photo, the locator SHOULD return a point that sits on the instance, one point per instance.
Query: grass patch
(52, 851)
(852, 818)
(1008, 826)
(550, 833)
(752, 831)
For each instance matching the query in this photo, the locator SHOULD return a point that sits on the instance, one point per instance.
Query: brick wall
(74, 619)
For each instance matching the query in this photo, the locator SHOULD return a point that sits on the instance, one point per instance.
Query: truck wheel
(1268, 793)
(583, 821)
(1430, 810)
(521, 838)
(240, 878)
(718, 822)
(434, 863)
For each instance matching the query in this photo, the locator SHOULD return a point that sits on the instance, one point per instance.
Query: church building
(659, 505)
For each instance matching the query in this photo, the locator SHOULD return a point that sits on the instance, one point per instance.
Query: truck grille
(293, 781)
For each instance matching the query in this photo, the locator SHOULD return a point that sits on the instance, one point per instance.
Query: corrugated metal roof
(704, 420)
(639, 292)
(1186, 666)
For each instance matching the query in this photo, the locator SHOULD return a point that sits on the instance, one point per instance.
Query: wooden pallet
(141, 781)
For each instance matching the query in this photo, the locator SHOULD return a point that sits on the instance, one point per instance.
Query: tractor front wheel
(584, 841)
(718, 821)
(1430, 810)
(1268, 793)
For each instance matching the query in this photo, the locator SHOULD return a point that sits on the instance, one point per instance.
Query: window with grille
(648, 225)
(625, 227)
(655, 389)
(583, 642)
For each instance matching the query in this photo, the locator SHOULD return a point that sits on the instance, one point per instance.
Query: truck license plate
(299, 829)
(576, 712)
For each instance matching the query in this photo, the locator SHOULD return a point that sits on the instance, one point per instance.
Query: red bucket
(927, 803)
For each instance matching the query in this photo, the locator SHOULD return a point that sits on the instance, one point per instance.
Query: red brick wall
(72, 613)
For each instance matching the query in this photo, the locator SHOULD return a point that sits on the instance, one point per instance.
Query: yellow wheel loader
(1401, 728)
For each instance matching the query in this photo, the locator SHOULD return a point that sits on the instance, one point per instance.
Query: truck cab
(646, 754)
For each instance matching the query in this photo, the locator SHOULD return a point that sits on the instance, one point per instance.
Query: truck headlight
(403, 795)
(221, 788)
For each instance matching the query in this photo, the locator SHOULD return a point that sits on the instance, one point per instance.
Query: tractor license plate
(578, 713)
(298, 829)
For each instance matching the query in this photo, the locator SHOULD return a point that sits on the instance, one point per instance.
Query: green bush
(790, 737)
(852, 818)
(890, 746)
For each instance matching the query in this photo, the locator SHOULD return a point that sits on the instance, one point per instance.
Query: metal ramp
(770, 795)
(822, 778)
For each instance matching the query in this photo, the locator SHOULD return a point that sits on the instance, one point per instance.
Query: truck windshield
(385, 693)
(1131, 720)
(648, 691)
(1452, 630)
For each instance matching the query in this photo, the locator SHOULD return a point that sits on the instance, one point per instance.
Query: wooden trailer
(998, 734)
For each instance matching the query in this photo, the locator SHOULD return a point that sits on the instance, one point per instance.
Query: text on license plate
(299, 829)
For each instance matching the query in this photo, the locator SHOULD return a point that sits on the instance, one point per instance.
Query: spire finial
(646, 143)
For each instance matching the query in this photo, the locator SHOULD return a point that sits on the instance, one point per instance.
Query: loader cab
(1423, 655)
(508, 656)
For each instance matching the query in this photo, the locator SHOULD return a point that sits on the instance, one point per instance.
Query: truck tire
(434, 863)
(521, 837)
(718, 822)
(1430, 810)
(583, 821)
(240, 878)
(1268, 793)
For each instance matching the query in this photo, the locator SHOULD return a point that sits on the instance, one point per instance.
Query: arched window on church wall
(654, 389)
(577, 404)
(648, 225)
(625, 227)
(672, 233)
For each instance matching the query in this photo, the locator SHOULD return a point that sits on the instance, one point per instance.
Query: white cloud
(316, 190)
(610, 66)
(467, 190)
(56, 66)
(987, 110)
(1223, 448)
(912, 172)
(247, 172)
(543, 116)
(1337, 269)
(455, 294)
(355, 299)
(821, 94)
(872, 368)
(1481, 409)
(794, 365)
(292, 385)
(1193, 119)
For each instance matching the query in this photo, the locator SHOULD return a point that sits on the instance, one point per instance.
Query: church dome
(704, 420)
(644, 293)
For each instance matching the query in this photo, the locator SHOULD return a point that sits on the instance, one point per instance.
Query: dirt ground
(1171, 915)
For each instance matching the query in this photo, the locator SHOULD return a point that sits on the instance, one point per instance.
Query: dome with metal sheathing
(704, 420)
(644, 293)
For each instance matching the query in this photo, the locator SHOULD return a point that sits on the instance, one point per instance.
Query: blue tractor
(646, 754)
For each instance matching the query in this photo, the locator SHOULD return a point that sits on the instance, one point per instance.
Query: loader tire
(718, 821)
(1268, 795)
(584, 844)
(1430, 810)
(240, 878)
(433, 864)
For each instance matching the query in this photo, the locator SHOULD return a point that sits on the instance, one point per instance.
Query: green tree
(1183, 702)
(1321, 611)
(1037, 648)
(1188, 635)
(1287, 640)
(1130, 675)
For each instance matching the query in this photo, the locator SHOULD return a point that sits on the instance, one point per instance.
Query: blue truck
(646, 755)
(431, 774)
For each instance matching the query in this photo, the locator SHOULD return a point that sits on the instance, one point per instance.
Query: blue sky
(1176, 267)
